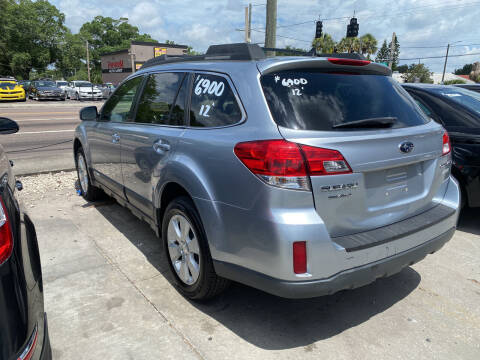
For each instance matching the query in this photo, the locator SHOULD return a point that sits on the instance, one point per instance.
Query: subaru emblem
(406, 147)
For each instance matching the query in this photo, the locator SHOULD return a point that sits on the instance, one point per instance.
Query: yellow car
(11, 90)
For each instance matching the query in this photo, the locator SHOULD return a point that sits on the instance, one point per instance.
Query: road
(44, 142)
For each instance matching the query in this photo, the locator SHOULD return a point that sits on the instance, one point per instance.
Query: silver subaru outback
(300, 176)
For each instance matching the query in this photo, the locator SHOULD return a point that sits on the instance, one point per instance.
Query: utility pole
(445, 64)
(88, 63)
(250, 22)
(392, 50)
(271, 26)
(247, 25)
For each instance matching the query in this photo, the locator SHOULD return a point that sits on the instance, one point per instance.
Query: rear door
(386, 185)
(104, 137)
(149, 140)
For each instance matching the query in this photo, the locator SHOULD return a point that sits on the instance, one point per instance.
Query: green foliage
(455, 81)
(383, 54)
(368, 45)
(106, 34)
(465, 70)
(417, 73)
(349, 44)
(324, 44)
(190, 51)
(402, 68)
(29, 36)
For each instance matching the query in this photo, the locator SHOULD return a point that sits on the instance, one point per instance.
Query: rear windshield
(314, 100)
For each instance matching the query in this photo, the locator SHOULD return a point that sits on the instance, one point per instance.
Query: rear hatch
(394, 151)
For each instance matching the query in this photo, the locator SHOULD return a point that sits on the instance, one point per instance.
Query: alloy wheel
(183, 249)
(82, 173)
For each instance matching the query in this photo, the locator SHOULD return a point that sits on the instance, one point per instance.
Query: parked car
(458, 110)
(61, 84)
(23, 329)
(83, 90)
(10, 90)
(107, 90)
(45, 90)
(286, 174)
(473, 87)
(25, 84)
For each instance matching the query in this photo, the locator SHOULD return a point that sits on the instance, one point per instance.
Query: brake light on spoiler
(288, 165)
(349, 62)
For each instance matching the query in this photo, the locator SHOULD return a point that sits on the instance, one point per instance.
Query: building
(436, 77)
(117, 65)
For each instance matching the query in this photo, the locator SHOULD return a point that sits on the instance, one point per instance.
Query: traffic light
(352, 29)
(318, 30)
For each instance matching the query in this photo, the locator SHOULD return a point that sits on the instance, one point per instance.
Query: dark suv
(23, 323)
(300, 176)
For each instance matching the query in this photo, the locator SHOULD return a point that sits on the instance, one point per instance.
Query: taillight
(6, 237)
(350, 62)
(29, 350)
(286, 164)
(447, 146)
(300, 257)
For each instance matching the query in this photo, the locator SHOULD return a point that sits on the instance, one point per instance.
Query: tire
(89, 192)
(183, 253)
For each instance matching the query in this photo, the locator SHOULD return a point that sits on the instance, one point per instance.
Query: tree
(30, 36)
(72, 51)
(465, 70)
(454, 81)
(417, 73)
(324, 44)
(291, 51)
(396, 52)
(402, 68)
(349, 44)
(368, 45)
(383, 54)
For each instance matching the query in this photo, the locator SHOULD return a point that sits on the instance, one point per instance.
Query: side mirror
(8, 126)
(89, 113)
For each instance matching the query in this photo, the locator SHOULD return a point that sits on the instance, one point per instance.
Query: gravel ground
(46, 186)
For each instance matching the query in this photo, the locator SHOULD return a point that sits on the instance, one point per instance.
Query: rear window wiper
(374, 123)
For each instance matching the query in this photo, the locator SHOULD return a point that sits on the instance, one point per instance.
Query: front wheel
(89, 192)
(187, 252)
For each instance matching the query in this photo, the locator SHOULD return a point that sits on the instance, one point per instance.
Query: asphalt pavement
(44, 142)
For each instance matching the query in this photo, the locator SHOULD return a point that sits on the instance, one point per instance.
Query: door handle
(161, 146)
(115, 138)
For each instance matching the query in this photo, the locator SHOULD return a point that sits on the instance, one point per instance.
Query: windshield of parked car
(316, 100)
(6, 84)
(84, 84)
(45, 84)
(464, 97)
(61, 83)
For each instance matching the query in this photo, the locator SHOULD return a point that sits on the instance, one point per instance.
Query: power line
(436, 47)
(438, 57)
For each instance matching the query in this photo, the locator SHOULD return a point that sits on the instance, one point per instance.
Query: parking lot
(108, 295)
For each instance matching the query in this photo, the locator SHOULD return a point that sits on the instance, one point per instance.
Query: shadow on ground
(267, 321)
(469, 221)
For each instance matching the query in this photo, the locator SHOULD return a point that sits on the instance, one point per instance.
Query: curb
(44, 172)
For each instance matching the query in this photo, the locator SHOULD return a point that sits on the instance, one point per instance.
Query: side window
(158, 98)
(213, 102)
(118, 107)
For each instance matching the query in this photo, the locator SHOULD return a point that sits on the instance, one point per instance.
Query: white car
(83, 90)
(61, 84)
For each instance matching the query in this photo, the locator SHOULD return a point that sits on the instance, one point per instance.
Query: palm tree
(349, 44)
(324, 44)
(368, 44)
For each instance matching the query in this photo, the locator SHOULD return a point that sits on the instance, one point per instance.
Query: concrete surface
(108, 295)
(44, 142)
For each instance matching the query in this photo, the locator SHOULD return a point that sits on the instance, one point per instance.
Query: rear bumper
(348, 279)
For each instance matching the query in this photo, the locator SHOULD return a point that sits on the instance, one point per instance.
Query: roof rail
(239, 51)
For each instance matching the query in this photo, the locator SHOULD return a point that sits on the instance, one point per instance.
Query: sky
(423, 28)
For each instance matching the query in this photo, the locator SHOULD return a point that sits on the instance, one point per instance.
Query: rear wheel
(89, 192)
(187, 252)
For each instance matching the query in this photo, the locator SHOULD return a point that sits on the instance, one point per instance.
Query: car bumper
(260, 242)
(51, 97)
(12, 97)
(349, 279)
(90, 97)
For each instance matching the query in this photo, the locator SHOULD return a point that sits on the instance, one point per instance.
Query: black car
(458, 110)
(23, 323)
(473, 87)
(45, 90)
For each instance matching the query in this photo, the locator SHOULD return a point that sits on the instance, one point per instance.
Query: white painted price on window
(205, 86)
